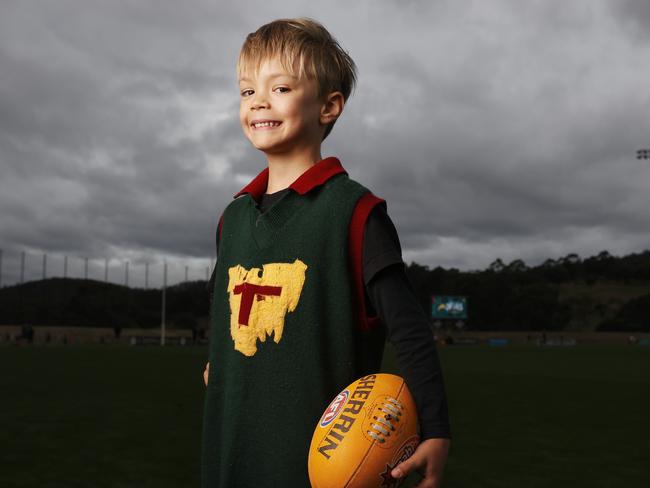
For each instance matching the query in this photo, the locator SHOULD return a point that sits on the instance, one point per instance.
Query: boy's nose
(260, 103)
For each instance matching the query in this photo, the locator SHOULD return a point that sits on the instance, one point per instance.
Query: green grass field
(131, 417)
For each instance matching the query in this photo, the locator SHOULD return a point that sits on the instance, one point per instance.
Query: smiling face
(279, 113)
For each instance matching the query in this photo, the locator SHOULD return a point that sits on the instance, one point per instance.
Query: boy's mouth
(265, 124)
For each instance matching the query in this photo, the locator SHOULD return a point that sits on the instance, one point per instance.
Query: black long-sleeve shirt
(390, 294)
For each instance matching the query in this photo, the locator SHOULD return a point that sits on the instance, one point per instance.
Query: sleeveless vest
(285, 336)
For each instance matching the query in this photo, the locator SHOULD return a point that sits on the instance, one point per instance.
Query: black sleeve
(407, 329)
(381, 245)
(391, 295)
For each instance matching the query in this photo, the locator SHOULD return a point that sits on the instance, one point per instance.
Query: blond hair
(305, 49)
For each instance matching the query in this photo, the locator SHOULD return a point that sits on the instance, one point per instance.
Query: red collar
(315, 176)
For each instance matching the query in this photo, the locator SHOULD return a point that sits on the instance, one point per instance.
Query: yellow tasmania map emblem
(260, 301)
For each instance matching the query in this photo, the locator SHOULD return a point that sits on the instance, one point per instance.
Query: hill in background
(79, 302)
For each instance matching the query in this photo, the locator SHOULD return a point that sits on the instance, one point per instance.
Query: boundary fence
(149, 273)
(138, 272)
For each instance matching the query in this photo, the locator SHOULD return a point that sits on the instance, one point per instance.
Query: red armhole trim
(220, 226)
(357, 226)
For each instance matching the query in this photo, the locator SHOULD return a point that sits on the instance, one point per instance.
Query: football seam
(371, 446)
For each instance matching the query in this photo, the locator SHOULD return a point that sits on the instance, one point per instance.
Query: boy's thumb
(403, 468)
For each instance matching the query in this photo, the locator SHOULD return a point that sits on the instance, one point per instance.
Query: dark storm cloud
(634, 16)
(493, 129)
(542, 144)
(111, 122)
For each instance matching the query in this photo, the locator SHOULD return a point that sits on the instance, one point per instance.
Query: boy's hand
(429, 459)
(206, 372)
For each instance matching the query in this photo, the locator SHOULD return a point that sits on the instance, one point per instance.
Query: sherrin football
(369, 428)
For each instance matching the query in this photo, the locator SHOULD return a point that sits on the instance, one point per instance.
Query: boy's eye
(282, 89)
(246, 93)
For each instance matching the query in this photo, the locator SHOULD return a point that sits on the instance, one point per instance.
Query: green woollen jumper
(284, 273)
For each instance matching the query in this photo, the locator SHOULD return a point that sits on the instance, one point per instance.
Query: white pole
(22, 267)
(162, 324)
(65, 266)
(44, 266)
(0, 268)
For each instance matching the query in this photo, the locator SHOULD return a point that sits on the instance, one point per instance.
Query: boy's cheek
(245, 128)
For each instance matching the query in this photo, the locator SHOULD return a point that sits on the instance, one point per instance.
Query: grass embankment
(591, 304)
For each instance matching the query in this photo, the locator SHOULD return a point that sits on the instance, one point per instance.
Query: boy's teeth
(266, 124)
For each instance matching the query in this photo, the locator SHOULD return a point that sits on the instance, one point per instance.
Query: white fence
(149, 272)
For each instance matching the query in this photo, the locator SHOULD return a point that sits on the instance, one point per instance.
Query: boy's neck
(285, 170)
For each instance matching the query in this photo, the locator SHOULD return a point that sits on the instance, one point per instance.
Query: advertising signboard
(449, 307)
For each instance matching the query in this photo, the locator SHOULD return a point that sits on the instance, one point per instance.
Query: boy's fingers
(205, 374)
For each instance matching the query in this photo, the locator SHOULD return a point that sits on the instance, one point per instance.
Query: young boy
(307, 257)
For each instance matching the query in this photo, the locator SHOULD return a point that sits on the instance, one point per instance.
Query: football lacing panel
(391, 413)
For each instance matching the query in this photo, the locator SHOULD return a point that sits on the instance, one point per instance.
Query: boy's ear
(332, 107)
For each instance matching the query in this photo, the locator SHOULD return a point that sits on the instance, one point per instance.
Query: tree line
(602, 292)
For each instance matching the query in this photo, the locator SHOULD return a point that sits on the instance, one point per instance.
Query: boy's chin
(266, 149)
(260, 144)
(270, 149)
(286, 147)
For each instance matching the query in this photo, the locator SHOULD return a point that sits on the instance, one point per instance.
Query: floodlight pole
(22, 267)
(0, 268)
(162, 323)
(65, 266)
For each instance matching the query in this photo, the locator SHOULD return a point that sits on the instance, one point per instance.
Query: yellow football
(367, 430)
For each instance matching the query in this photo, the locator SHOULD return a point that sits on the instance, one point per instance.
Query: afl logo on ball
(335, 408)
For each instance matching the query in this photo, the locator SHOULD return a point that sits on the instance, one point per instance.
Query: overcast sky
(492, 128)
